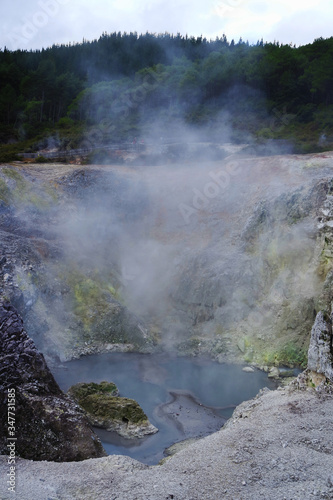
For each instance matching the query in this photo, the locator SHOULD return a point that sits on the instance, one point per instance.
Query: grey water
(209, 389)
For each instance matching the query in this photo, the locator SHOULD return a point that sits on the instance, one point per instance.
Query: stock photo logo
(218, 183)
(221, 8)
(128, 102)
(29, 26)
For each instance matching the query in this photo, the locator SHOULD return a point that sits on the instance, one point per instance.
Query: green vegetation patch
(82, 390)
(8, 153)
(42, 159)
(289, 355)
(326, 259)
(12, 173)
(98, 311)
(24, 193)
(107, 407)
(91, 296)
(90, 301)
(100, 402)
(5, 194)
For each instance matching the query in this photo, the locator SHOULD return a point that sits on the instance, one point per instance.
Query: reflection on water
(182, 397)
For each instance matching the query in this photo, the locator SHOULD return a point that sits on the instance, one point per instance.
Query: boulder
(48, 424)
(248, 369)
(274, 372)
(320, 356)
(107, 411)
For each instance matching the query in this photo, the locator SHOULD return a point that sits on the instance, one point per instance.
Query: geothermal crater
(220, 258)
(230, 259)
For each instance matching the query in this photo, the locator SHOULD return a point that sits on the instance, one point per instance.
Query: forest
(125, 86)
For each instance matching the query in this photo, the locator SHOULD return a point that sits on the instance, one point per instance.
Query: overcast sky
(36, 24)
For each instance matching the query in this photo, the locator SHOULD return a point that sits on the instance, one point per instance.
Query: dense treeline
(126, 84)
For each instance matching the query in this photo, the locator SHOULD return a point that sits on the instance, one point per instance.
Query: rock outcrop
(69, 299)
(102, 258)
(48, 424)
(254, 282)
(106, 410)
(320, 354)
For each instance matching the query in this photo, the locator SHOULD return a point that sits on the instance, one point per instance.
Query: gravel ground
(277, 446)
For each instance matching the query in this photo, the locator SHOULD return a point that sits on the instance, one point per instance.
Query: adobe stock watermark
(262, 313)
(218, 183)
(222, 8)
(130, 271)
(20, 36)
(11, 460)
(97, 135)
(129, 101)
(280, 119)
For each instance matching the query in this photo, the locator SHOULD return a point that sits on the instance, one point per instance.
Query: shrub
(289, 355)
(42, 159)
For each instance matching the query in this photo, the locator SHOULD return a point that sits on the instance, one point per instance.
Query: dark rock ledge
(49, 425)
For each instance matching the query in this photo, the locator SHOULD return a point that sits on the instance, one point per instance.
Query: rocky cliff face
(47, 424)
(58, 265)
(252, 267)
(229, 258)
(256, 253)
